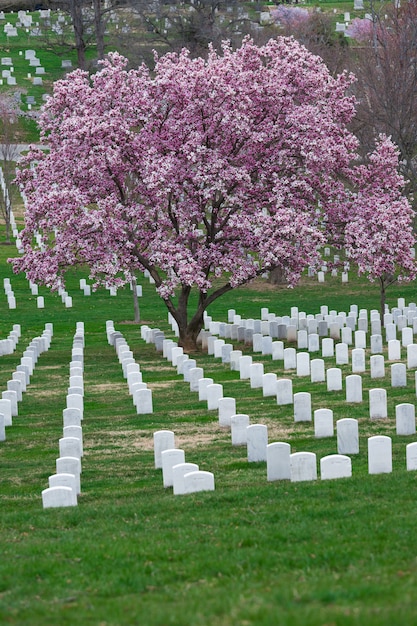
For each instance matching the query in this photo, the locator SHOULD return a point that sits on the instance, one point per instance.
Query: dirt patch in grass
(162, 385)
(46, 393)
(107, 387)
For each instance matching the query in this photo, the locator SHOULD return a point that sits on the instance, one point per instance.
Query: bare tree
(84, 29)
(386, 68)
(193, 24)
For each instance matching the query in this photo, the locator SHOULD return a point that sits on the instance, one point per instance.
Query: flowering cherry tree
(379, 235)
(207, 173)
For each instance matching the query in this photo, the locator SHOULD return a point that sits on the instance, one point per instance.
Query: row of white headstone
(255, 436)
(65, 484)
(17, 385)
(282, 388)
(141, 394)
(8, 345)
(301, 465)
(183, 477)
(300, 361)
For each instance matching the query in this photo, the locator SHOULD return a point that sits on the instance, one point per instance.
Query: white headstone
(358, 360)
(198, 481)
(406, 336)
(360, 339)
(64, 480)
(195, 374)
(313, 343)
(227, 408)
(303, 466)
(398, 375)
(203, 383)
(302, 406)
(6, 411)
(318, 374)
(327, 347)
(394, 350)
(303, 364)
(284, 391)
(214, 393)
(376, 344)
(323, 423)
(378, 403)
(12, 396)
(405, 419)
(342, 354)
(257, 440)
(354, 388)
(170, 458)
(162, 440)
(269, 384)
(347, 436)
(70, 465)
(70, 446)
(234, 360)
(411, 456)
(277, 350)
(178, 473)
(54, 497)
(256, 372)
(334, 379)
(239, 424)
(290, 358)
(412, 356)
(379, 454)
(143, 401)
(335, 466)
(244, 366)
(377, 366)
(278, 461)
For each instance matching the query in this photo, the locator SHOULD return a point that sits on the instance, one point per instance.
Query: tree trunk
(277, 276)
(382, 299)
(188, 336)
(78, 25)
(99, 28)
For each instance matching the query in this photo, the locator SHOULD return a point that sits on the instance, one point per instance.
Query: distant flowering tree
(207, 173)
(379, 235)
(362, 30)
(290, 17)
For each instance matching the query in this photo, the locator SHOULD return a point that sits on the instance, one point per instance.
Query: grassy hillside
(251, 552)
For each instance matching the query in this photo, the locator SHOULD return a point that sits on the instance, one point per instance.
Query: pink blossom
(207, 173)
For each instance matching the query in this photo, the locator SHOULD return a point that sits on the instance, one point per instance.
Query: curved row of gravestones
(65, 484)
(17, 385)
(379, 449)
(142, 399)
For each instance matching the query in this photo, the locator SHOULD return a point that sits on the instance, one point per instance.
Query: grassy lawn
(255, 553)
(251, 552)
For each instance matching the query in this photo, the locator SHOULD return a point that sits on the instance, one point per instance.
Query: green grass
(250, 553)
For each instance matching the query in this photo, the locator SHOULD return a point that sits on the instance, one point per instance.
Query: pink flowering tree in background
(206, 173)
(289, 17)
(362, 30)
(379, 235)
